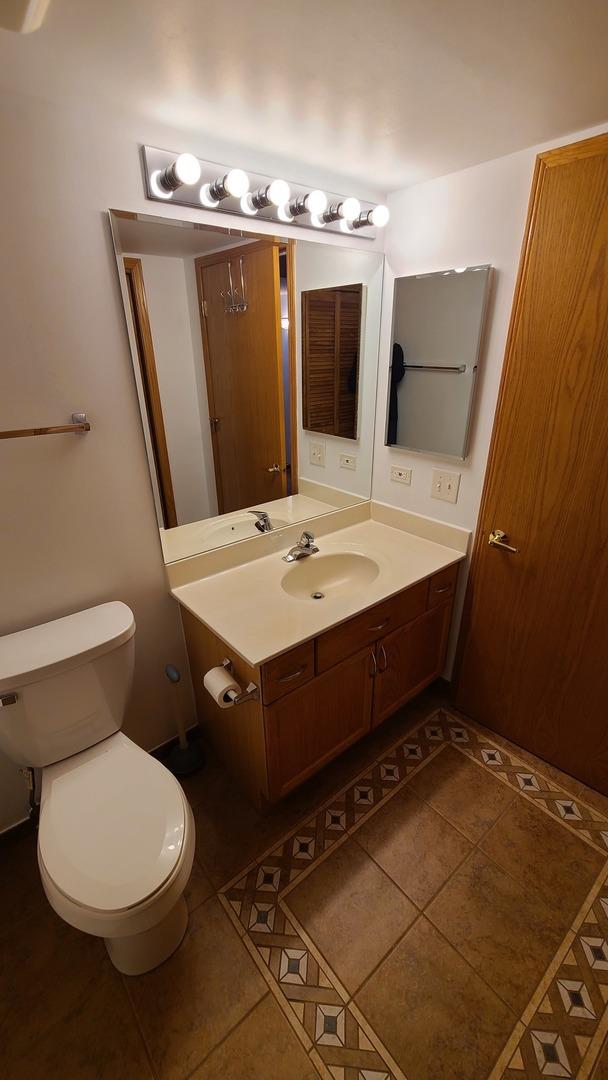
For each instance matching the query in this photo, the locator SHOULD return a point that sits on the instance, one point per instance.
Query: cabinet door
(409, 659)
(310, 726)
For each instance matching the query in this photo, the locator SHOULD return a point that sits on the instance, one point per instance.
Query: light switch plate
(400, 475)
(348, 461)
(317, 454)
(444, 485)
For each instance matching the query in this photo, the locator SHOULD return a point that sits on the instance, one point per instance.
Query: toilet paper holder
(251, 693)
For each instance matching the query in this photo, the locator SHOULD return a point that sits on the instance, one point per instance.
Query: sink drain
(317, 595)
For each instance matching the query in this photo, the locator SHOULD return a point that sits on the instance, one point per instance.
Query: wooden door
(243, 368)
(534, 642)
(310, 726)
(409, 659)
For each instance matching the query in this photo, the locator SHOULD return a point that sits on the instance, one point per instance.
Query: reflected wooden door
(243, 368)
(534, 644)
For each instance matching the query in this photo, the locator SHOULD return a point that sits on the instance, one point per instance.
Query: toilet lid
(112, 825)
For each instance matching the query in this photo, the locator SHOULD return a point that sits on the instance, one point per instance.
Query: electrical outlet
(348, 461)
(444, 485)
(401, 476)
(317, 454)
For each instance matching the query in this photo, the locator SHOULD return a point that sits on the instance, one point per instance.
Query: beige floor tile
(437, 1018)
(98, 1039)
(352, 911)
(416, 847)
(544, 855)
(462, 791)
(506, 932)
(192, 1001)
(262, 1047)
(46, 970)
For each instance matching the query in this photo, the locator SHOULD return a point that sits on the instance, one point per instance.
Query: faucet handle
(307, 539)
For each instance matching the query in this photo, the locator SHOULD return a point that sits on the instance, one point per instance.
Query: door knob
(274, 468)
(499, 539)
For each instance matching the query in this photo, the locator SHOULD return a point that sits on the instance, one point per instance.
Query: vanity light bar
(190, 181)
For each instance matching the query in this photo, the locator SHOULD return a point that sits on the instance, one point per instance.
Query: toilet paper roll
(218, 682)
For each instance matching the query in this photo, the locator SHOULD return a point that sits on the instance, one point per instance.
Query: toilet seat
(113, 829)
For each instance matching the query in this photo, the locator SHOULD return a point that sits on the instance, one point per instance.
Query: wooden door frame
(502, 417)
(147, 363)
(220, 256)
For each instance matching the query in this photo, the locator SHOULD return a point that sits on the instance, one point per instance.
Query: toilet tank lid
(41, 651)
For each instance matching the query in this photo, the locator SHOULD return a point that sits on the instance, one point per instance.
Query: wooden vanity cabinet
(409, 659)
(312, 725)
(323, 695)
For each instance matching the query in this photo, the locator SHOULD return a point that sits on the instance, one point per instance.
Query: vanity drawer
(361, 630)
(442, 586)
(288, 671)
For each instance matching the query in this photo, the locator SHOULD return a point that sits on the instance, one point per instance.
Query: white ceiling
(388, 93)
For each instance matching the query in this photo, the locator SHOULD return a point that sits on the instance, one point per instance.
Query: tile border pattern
(565, 1023)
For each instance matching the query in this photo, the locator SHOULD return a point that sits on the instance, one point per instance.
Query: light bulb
(187, 169)
(206, 198)
(247, 206)
(317, 221)
(350, 209)
(316, 202)
(278, 192)
(155, 187)
(379, 216)
(283, 213)
(236, 183)
(346, 226)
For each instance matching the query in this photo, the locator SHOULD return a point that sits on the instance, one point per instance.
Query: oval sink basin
(318, 576)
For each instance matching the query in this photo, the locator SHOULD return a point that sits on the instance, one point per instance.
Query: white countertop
(248, 608)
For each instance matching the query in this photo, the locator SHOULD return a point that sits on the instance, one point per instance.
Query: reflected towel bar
(79, 424)
(457, 369)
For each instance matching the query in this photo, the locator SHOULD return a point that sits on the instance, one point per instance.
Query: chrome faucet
(263, 523)
(305, 546)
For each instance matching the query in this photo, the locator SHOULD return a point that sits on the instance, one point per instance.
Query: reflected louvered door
(319, 323)
(331, 322)
(349, 328)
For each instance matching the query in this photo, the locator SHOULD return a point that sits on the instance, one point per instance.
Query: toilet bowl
(116, 834)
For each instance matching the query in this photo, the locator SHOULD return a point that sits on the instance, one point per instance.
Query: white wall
(323, 268)
(78, 525)
(176, 362)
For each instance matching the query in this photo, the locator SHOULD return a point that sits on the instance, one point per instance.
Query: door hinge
(204, 309)
(215, 422)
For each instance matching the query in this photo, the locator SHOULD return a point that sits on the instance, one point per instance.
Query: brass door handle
(273, 468)
(499, 539)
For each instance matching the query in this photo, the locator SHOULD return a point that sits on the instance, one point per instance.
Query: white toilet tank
(64, 685)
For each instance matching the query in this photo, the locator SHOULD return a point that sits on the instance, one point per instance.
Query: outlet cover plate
(401, 475)
(445, 485)
(348, 461)
(317, 454)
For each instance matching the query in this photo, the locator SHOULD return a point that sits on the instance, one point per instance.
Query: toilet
(116, 833)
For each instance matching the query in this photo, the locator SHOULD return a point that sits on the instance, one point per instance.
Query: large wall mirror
(239, 342)
(438, 324)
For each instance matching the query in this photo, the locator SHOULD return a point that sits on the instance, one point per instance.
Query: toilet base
(139, 953)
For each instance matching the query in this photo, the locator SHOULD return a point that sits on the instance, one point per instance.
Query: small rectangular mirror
(438, 322)
(331, 339)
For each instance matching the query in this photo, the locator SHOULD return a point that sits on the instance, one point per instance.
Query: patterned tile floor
(433, 905)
